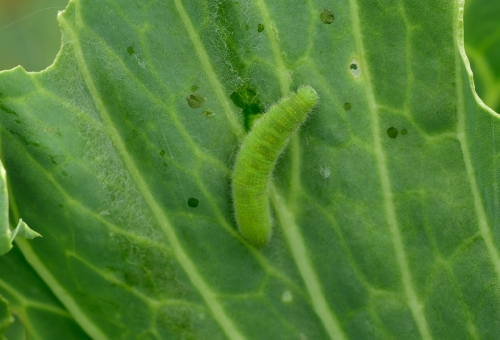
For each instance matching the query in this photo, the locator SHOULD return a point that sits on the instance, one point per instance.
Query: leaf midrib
(383, 173)
(181, 255)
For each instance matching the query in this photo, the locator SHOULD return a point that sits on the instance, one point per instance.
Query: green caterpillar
(256, 159)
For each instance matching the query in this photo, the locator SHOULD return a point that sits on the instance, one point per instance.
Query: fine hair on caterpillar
(256, 160)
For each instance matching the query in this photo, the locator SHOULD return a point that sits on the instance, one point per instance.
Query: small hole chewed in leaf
(260, 28)
(193, 202)
(327, 16)
(247, 99)
(392, 132)
(347, 106)
(354, 68)
(195, 100)
(130, 50)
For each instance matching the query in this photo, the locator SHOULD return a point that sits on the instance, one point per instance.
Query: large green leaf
(386, 202)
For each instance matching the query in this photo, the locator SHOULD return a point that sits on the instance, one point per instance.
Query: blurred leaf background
(482, 43)
(29, 33)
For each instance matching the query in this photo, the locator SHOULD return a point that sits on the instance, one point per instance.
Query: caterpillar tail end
(258, 237)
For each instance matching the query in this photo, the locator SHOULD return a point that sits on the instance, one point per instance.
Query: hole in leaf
(193, 202)
(327, 16)
(392, 132)
(246, 98)
(195, 100)
(354, 68)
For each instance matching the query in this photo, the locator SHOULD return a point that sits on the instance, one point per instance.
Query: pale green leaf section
(306, 269)
(23, 230)
(382, 167)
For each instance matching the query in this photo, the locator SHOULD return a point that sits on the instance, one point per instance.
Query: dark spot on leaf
(162, 153)
(260, 28)
(354, 66)
(404, 132)
(193, 202)
(195, 100)
(7, 110)
(347, 106)
(194, 88)
(53, 159)
(61, 206)
(130, 50)
(64, 173)
(247, 27)
(24, 139)
(392, 132)
(327, 16)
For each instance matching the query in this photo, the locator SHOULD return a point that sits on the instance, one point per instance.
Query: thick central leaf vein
(383, 172)
(180, 254)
